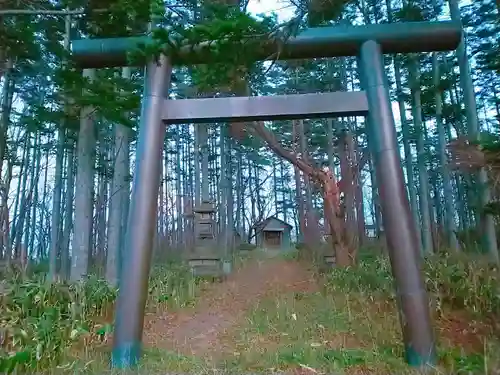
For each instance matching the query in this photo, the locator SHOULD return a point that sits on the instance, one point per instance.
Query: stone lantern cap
(204, 207)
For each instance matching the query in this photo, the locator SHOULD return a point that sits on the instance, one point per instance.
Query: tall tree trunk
(56, 222)
(257, 192)
(230, 194)
(487, 221)
(83, 191)
(34, 206)
(377, 219)
(205, 178)
(348, 172)
(178, 190)
(31, 203)
(197, 162)
(253, 215)
(118, 197)
(56, 206)
(331, 158)
(312, 232)
(359, 200)
(299, 198)
(6, 101)
(102, 204)
(18, 226)
(284, 190)
(240, 195)
(223, 190)
(42, 244)
(449, 211)
(421, 157)
(68, 208)
(275, 187)
(161, 205)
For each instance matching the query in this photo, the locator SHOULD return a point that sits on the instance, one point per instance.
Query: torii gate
(368, 43)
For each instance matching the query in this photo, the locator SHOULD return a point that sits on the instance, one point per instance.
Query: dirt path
(197, 331)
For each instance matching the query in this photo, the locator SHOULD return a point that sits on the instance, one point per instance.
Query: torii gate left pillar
(141, 223)
(368, 43)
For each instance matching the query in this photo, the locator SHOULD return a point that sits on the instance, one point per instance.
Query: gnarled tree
(326, 181)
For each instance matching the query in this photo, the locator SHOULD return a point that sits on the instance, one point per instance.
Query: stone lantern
(204, 258)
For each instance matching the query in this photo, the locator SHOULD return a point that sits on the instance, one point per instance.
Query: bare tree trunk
(34, 206)
(23, 206)
(240, 195)
(56, 206)
(68, 210)
(312, 232)
(45, 223)
(284, 190)
(421, 158)
(29, 228)
(230, 197)
(83, 192)
(118, 197)
(223, 191)
(347, 170)
(6, 105)
(100, 231)
(178, 190)
(299, 198)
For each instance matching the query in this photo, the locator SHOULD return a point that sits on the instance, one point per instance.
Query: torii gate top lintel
(331, 41)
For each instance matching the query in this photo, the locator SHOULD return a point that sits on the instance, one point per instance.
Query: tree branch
(14, 12)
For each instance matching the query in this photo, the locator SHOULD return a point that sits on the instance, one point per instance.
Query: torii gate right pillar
(398, 222)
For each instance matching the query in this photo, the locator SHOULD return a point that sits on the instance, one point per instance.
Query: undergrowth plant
(42, 324)
(456, 284)
(464, 282)
(173, 286)
(40, 320)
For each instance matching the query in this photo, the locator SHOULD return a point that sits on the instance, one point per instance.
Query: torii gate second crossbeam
(265, 108)
(368, 43)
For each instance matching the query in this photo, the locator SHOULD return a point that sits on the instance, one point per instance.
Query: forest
(69, 151)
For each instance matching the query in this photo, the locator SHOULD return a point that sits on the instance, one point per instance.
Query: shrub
(173, 284)
(40, 320)
(464, 282)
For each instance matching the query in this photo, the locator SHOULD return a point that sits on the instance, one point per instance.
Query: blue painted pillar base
(126, 355)
(414, 359)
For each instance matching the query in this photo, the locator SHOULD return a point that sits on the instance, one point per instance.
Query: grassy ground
(347, 324)
(336, 333)
(338, 328)
(318, 334)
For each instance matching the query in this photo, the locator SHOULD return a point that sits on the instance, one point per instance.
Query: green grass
(45, 326)
(331, 333)
(349, 326)
(308, 331)
(153, 362)
(326, 333)
(352, 324)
